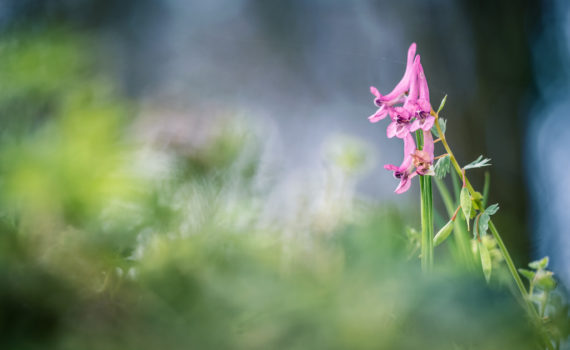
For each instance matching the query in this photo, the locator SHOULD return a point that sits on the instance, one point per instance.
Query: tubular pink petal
(403, 186)
(409, 149)
(428, 123)
(380, 114)
(374, 91)
(404, 83)
(423, 85)
(415, 125)
(391, 167)
(428, 144)
(405, 183)
(402, 130)
(395, 112)
(391, 130)
(409, 145)
(424, 105)
(413, 89)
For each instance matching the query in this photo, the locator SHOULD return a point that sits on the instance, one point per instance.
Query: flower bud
(465, 200)
(443, 233)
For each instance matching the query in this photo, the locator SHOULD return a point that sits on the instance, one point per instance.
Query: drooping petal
(428, 123)
(405, 184)
(404, 83)
(423, 89)
(391, 167)
(374, 91)
(410, 104)
(409, 149)
(413, 89)
(415, 125)
(402, 130)
(380, 114)
(424, 105)
(392, 129)
(395, 113)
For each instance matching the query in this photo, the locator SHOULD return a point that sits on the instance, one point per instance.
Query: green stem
(486, 187)
(512, 268)
(426, 215)
(543, 304)
(427, 223)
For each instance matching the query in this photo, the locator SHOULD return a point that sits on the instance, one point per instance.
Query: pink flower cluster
(409, 110)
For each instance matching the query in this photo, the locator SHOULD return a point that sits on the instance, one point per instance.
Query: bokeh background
(127, 120)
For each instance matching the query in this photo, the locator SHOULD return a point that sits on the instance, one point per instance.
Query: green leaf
(539, 264)
(528, 274)
(442, 167)
(465, 200)
(443, 233)
(486, 217)
(441, 105)
(544, 280)
(442, 124)
(478, 163)
(486, 262)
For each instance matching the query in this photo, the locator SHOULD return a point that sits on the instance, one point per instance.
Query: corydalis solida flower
(409, 109)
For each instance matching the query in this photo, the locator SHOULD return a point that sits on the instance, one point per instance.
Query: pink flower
(384, 109)
(405, 172)
(423, 159)
(401, 121)
(409, 109)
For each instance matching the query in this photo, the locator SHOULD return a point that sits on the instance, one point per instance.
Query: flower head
(409, 109)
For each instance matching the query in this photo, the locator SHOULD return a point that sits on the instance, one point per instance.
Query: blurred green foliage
(95, 254)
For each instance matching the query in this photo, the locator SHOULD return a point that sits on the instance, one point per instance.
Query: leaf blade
(478, 163)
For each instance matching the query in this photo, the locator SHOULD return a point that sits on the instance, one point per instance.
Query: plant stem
(543, 304)
(427, 223)
(486, 187)
(510, 263)
(426, 202)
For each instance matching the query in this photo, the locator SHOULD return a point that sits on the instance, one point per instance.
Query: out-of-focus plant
(99, 252)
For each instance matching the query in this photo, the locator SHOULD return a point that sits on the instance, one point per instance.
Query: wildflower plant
(411, 114)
